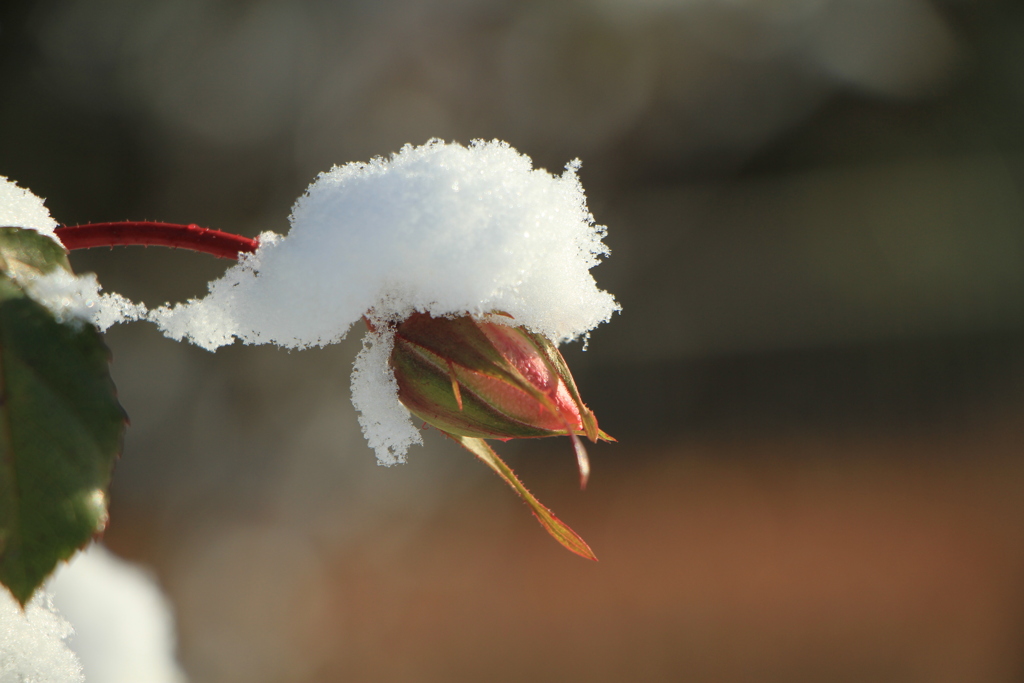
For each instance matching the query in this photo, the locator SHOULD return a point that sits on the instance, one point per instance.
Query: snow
(386, 422)
(19, 208)
(122, 631)
(78, 298)
(33, 643)
(440, 228)
(71, 298)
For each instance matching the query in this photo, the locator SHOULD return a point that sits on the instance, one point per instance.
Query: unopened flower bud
(481, 379)
(487, 380)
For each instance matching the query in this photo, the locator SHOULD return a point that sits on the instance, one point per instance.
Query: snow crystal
(70, 297)
(384, 420)
(33, 643)
(77, 297)
(440, 228)
(19, 208)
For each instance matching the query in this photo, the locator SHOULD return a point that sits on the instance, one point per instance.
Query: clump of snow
(78, 298)
(385, 422)
(440, 228)
(19, 208)
(33, 642)
(71, 298)
(124, 630)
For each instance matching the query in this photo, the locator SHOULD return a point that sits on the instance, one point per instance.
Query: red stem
(145, 233)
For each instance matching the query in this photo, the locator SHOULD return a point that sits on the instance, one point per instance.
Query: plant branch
(145, 233)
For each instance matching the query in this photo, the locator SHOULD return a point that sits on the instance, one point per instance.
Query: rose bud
(480, 379)
(488, 380)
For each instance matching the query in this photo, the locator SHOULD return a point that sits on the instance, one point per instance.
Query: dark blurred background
(817, 379)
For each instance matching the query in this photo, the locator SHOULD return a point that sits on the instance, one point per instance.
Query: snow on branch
(440, 228)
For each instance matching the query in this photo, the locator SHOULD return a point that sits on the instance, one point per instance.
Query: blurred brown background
(817, 380)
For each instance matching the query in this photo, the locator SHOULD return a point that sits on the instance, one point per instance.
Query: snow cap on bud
(484, 379)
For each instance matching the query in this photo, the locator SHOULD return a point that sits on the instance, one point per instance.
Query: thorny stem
(145, 233)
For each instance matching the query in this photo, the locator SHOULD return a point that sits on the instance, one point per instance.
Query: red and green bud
(480, 379)
(486, 379)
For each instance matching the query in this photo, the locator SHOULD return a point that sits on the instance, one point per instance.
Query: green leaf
(554, 526)
(23, 252)
(61, 426)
